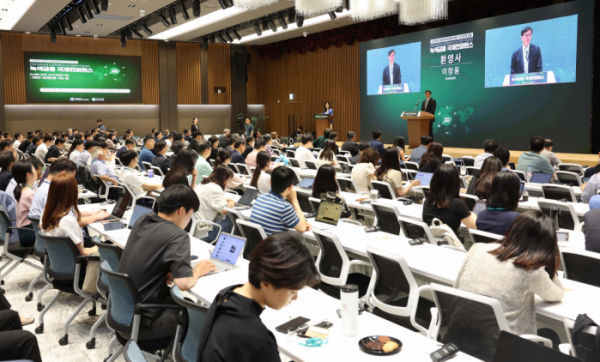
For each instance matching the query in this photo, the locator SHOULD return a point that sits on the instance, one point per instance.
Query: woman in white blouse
(260, 178)
(213, 201)
(364, 171)
(75, 150)
(327, 154)
(61, 215)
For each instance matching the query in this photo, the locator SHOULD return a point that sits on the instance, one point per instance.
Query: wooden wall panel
(219, 73)
(150, 72)
(13, 68)
(13, 46)
(314, 78)
(189, 85)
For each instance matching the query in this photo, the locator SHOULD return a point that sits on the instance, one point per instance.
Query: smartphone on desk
(110, 226)
(291, 325)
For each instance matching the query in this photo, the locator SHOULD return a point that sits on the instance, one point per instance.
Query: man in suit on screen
(429, 105)
(528, 58)
(391, 73)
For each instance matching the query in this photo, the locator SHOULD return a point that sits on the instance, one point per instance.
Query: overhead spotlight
(227, 36)
(257, 28)
(272, 25)
(229, 3)
(128, 33)
(137, 33)
(81, 13)
(292, 17)
(104, 5)
(223, 4)
(146, 29)
(95, 6)
(348, 5)
(205, 43)
(265, 24)
(88, 10)
(339, 9)
(164, 20)
(172, 15)
(299, 20)
(236, 34)
(184, 11)
(196, 8)
(220, 37)
(52, 35)
(282, 21)
(60, 29)
(68, 22)
(212, 39)
(123, 39)
(332, 15)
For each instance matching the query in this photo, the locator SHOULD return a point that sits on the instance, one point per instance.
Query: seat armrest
(537, 339)
(359, 262)
(81, 258)
(139, 307)
(565, 348)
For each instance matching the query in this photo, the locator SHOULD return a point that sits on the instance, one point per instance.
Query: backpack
(584, 352)
(445, 234)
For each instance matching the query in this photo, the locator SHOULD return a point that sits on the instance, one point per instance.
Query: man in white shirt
(489, 147)
(42, 149)
(130, 178)
(547, 152)
(303, 153)
(18, 140)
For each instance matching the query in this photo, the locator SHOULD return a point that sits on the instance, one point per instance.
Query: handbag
(91, 276)
(584, 352)
(445, 234)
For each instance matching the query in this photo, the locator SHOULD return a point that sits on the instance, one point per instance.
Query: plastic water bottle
(349, 299)
(529, 174)
(150, 173)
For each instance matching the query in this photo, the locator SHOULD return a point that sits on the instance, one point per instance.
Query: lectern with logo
(418, 125)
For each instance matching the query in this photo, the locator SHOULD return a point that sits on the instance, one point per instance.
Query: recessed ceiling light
(77, 35)
(210, 6)
(87, 32)
(131, 6)
(27, 32)
(98, 24)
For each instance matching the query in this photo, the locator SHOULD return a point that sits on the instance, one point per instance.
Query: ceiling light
(137, 33)
(196, 8)
(272, 25)
(299, 20)
(69, 23)
(52, 35)
(220, 37)
(17, 11)
(332, 15)
(172, 15)
(282, 21)
(184, 11)
(104, 5)
(227, 36)
(81, 13)
(146, 29)
(236, 34)
(257, 29)
(123, 39)
(212, 39)
(208, 19)
(131, 6)
(88, 10)
(164, 20)
(95, 6)
(223, 4)
(128, 34)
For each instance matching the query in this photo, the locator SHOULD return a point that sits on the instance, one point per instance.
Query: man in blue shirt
(146, 154)
(101, 127)
(273, 212)
(376, 142)
(100, 167)
(238, 149)
(417, 154)
(249, 128)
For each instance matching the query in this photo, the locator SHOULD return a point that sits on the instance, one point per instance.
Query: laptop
(247, 198)
(226, 252)
(328, 215)
(540, 178)
(306, 183)
(138, 212)
(479, 206)
(425, 178)
(120, 208)
(512, 348)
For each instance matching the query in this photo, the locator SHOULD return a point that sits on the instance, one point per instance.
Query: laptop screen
(329, 212)
(425, 178)
(137, 213)
(121, 206)
(479, 206)
(306, 183)
(228, 248)
(249, 196)
(540, 178)
(512, 348)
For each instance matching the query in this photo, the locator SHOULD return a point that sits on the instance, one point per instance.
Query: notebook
(425, 178)
(328, 215)
(540, 178)
(227, 251)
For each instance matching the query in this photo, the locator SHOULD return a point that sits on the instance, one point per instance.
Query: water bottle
(349, 298)
(150, 173)
(529, 174)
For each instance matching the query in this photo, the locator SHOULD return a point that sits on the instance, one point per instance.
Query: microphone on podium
(416, 105)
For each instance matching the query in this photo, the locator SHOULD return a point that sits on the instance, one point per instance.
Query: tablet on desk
(425, 178)
(540, 178)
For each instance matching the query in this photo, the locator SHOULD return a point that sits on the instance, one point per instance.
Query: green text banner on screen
(82, 78)
(475, 71)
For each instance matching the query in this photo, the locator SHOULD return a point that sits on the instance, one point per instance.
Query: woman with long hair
(224, 158)
(513, 270)
(25, 176)
(326, 188)
(327, 154)
(432, 159)
(443, 200)
(61, 216)
(260, 178)
(389, 171)
(213, 201)
(400, 144)
(501, 205)
(182, 168)
(76, 148)
(482, 184)
(364, 171)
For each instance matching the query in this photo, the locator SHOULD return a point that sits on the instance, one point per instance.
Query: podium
(418, 125)
(322, 122)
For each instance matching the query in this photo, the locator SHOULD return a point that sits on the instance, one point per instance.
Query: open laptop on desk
(425, 178)
(540, 178)
(226, 252)
(247, 199)
(119, 208)
(306, 183)
(138, 212)
(328, 215)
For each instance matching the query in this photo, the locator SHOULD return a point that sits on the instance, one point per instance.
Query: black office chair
(253, 233)
(414, 229)
(347, 185)
(581, 266)
(305, 205)
(569, 178)
(310, 165)
(559, 193)
(294, 162)
(384, 188)
(387, 217)
(479, 236)
(468, 161)
(233, 168)
(512, 348)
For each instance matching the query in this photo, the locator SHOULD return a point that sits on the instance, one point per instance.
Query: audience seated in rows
(7, 160)
(432, 159)
(502, 203)
(75, 150)
(183, 171)
(489, 147)
(85, 158)
(389, 171)
(303, 153)
(376, 144)
(146, 155)
(129, 176)
(481, 184)
(260, 145)
(101, 160)
(249, 146)
(161, 161)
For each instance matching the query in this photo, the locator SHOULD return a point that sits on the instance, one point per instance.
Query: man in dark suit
(376, 142)
(429, 106)
(528, 58)
(391, 73)
(350, 145)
